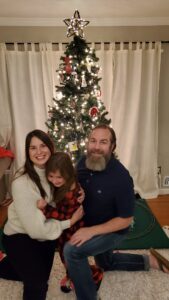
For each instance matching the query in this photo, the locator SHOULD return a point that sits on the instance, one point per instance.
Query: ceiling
(98, 12)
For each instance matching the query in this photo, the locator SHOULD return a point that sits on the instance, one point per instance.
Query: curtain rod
(97, 43)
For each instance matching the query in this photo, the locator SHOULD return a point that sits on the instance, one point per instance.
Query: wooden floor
(159, 206)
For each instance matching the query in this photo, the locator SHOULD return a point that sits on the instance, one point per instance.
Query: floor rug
(116, 285)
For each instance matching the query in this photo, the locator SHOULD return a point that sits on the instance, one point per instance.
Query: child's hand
(81, 196)
(78, 214)
(41, 203)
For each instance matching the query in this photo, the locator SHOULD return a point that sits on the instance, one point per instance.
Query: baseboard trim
(163, 191)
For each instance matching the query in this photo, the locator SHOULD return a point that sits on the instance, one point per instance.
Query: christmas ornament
(76, 25)
(73, 104)
(68, 69)
(67, 60)
(50, 114)
(98, 93)
(55, 127)
(61, 78)
(83, 84)
(75, 76)
(59, 96)
(73, 146)
(93, 111)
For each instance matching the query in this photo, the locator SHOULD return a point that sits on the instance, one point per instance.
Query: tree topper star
(76, 25)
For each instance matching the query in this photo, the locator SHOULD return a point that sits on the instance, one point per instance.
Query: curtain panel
(130, 84)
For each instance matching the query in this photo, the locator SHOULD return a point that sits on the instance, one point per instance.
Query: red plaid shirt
(64, 211)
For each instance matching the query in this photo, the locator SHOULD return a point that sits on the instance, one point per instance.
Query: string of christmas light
(77, 106)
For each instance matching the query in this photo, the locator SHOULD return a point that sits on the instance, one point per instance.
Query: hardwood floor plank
(160, 208)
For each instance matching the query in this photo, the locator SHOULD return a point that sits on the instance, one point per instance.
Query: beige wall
(101, 34)
(106, 34)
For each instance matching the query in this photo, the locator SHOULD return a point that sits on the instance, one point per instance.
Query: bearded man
(108, 206)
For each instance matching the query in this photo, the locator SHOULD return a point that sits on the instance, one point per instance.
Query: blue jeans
(101, 247)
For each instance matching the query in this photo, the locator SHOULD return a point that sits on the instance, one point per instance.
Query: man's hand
(82, 235)
(86, 233)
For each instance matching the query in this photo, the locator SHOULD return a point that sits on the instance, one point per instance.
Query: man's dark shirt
(108, 193)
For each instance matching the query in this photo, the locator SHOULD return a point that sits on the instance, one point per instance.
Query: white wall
(163, 155)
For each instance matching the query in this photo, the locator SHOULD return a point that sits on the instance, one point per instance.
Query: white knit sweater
(23, 214)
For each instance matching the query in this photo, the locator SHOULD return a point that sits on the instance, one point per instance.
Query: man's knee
(69, 251)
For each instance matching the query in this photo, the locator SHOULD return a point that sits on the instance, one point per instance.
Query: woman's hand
(78, 214)
(81, 196)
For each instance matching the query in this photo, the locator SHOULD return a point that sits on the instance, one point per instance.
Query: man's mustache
(96, 152)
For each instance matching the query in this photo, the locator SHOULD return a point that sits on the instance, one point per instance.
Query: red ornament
(68, 69)
(93, 111)
(67, 60)
(5, 153)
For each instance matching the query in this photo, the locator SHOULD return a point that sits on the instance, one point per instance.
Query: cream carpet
(152, 285)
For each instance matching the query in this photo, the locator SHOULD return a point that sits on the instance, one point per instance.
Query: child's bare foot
(165, 270)
(158, 262)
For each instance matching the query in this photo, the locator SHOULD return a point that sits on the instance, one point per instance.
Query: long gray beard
(98, 164)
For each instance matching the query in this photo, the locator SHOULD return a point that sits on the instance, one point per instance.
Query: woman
(29, 239)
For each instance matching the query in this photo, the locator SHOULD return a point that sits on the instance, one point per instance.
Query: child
(61, 173)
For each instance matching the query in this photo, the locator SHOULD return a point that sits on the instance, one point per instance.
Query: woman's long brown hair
(61, 161)
(28, 166)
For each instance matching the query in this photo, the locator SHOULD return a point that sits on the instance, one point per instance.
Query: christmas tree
(78, 106)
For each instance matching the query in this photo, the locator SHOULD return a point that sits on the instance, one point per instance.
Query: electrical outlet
(159, 170)
(166, 181)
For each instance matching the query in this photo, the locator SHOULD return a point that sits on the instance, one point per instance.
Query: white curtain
(31, 86)
(5, 116)
(130, 81)
(131, 94)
